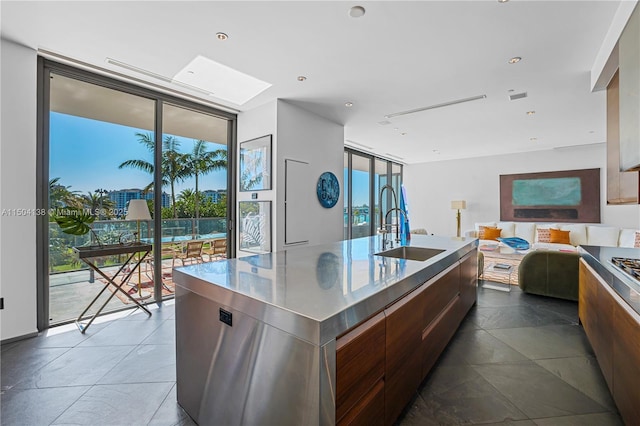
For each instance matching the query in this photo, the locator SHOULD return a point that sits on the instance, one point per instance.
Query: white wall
(309, 138)
(253, 124)
(432, 186)
(299, 135)
(17, 190)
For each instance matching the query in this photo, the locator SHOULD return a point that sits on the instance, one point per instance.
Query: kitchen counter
(256, 336)
(599, 258)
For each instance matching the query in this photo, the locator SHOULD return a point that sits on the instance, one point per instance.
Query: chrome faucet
(383, 223)
(399, 210)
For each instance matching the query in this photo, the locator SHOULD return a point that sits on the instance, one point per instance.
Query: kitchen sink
(411, 253)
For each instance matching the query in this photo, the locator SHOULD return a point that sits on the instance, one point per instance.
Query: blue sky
(85, 154)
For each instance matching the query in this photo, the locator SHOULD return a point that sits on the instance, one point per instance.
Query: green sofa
(550, 273)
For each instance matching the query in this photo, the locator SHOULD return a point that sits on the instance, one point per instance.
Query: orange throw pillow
(492, 233)
(481, 231)
(558, 236)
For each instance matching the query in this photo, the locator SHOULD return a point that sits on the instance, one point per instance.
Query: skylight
(220, 81)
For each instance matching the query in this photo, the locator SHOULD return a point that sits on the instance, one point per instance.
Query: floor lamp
(139, 210)
(458, 205)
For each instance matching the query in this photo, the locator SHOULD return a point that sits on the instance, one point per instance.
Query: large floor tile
(555, 341)
(123, 333)
(165, 334)
(599, 419)
(583, 373)
(459, 394)
(170, 413)
(537, 392)
(122, 404)
(480, 347)
(144, 364)
(19, 363)
(515, 316)
(77, 367)
(37, 406)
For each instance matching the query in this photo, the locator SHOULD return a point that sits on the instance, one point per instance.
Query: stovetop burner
(630, 266)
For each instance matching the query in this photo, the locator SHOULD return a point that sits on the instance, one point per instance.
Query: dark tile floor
(517, 359)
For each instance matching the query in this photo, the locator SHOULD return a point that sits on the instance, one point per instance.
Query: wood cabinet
(381, 362)
(360, 363)
(613, 329)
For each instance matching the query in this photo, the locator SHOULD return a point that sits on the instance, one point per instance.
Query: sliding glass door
(364, 176)
(106, 146)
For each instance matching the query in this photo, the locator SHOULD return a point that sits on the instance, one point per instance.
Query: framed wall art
(255, 226)
(562, 196)
(255, 164)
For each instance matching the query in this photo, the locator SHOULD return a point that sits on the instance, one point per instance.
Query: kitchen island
(329, 334)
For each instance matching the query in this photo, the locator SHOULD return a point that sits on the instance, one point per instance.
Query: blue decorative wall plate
(328, 189)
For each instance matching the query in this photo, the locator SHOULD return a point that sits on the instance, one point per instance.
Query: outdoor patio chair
(217, 249)
(193, 252)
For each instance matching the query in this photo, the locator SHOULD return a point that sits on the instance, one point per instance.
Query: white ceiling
(399, 56)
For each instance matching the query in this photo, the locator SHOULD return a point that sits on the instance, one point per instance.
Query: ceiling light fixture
(222, 36)
(348, 104)
(502, 1)
(531, 112)
(403, 133)
(357, 12)
(458, 101)
(515, 60)
(533, 139)
(301, 78)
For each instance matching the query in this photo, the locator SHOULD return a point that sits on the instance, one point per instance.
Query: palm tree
(174, 164)
(61, 196)
(95, 202)
(201, 162)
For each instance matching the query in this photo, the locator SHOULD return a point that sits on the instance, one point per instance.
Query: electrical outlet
(226, 317)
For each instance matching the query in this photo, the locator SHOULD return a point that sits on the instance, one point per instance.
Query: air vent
(517, 96)
(349, 141)
(457, 101)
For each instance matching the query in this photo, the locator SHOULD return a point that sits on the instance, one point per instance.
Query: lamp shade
(138, 210)
(459, 205)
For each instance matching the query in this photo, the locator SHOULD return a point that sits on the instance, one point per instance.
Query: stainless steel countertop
(599, 258)
(318, 292)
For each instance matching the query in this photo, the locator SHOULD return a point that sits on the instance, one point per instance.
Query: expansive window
(364, 176)
(106, 146)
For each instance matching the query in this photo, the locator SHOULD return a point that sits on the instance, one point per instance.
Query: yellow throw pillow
(492, 233)
(558, 236)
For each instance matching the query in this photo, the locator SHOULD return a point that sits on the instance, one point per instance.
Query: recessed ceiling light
(301, 78)
(510, 90)
(357, 12)
(395, 128)
(531, 112)
(502, 1)
(222, 36)
(348, 104)
(592, 131)
(515, 60)
(403, 133)
(533, 139)
(435, 151)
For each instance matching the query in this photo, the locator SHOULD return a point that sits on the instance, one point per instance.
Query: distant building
(122, 197)
(214, 195)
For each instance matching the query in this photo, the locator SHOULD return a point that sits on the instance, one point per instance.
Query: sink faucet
(383, 223)
(400, 211)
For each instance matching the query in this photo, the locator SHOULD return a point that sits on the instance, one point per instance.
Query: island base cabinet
(613, 329)
(360, 356)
